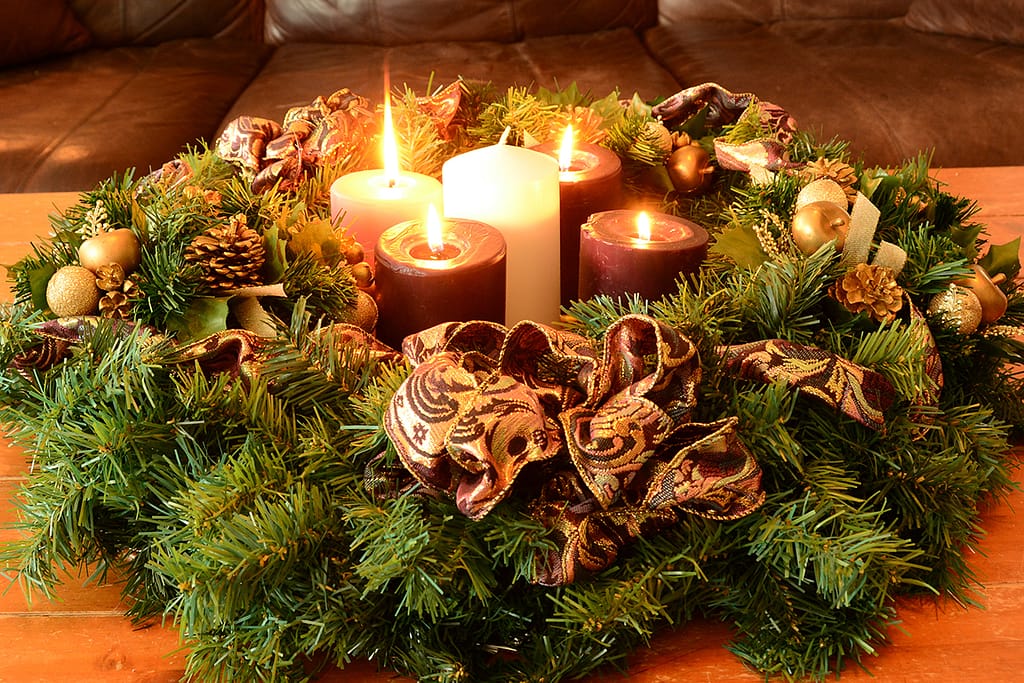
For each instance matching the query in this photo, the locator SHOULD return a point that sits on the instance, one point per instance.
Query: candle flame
(434, 238)
(391, 170)
(565, 151)
(643, 226)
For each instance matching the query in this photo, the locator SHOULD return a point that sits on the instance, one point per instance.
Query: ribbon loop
(608, 427)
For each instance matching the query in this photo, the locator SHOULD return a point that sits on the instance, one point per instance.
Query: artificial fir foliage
(260, 503)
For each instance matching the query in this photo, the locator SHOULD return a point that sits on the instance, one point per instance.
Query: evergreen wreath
(262, 505)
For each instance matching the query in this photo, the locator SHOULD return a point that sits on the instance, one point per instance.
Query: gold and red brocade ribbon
(607, 430)
(596, 437)
(329, 130)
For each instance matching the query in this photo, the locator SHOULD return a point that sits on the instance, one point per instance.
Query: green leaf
(1002, 258)
(205, 316)
(274, 267)
(740, 245)
(38, 278)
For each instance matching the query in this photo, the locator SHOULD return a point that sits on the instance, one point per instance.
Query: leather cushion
(995, 20)
(33, 29)
(760, 11)
(401, 22)
(137, 22)
(598, 63)
(71, 123)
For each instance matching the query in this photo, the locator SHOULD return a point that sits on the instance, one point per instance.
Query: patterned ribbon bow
(608, 429)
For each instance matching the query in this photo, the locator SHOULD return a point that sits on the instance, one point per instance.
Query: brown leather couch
(91, 87)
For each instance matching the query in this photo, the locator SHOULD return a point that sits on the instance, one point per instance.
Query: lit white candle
(515, 190)
(373, 201)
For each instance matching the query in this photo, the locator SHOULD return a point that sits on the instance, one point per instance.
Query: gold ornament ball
(119, 246)
(993, 300)
(817, 223)
(957, 307)
(363, 275)
(822, 190)
(72, 291)
(689, 169)
(364, 313)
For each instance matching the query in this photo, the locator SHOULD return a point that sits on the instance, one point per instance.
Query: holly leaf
(967, 237)
(740, 245)
(1002, 258)
(205, 316)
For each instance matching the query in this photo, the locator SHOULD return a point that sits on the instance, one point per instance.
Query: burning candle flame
(643, 226)
(565, 151)
(434, 238)
(391, 171)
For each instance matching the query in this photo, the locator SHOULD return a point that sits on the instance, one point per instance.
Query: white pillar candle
(516, 191)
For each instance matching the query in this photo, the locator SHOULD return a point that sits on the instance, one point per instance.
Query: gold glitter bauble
(819, 222)
(72, 291)
(364, 313)
(822, 190)
(957, 307)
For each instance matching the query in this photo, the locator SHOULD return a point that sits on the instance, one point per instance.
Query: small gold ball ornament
(72, 291)
(957, 307)
(364, 313)
(119, 246)
(819, 222)
(822, 190)
(690, 170)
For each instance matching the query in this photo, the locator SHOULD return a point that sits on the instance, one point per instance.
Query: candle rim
(693, 234)
(476, 239)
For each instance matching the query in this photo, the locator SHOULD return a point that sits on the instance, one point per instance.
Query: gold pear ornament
(992, 299)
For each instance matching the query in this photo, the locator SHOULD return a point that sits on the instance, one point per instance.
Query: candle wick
(391, 182)
(504, 135)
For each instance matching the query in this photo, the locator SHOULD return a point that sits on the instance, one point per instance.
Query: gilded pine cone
(870, 289)
(231, 255)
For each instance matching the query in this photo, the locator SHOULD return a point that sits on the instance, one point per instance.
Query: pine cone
(231, 255)
(115, 305)
(834, 170)
(870, 289)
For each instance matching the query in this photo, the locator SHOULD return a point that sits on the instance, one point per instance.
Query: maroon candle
(460, 277)
(616, 259)
(589, 180)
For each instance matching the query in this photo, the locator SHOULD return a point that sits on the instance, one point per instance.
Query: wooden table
(84, 637)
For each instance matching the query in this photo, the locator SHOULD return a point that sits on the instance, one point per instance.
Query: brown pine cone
(231, 255)
(115, 305)
(870, 289)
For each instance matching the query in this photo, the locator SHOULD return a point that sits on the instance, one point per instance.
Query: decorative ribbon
(608, 431)
(722, 107)
(856, 391)
(326, 131)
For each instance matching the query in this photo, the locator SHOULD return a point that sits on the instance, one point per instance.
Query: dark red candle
(616, 259)
(419, 284)
(589, 180)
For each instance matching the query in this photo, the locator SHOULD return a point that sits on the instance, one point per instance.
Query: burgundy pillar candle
(616, 259)
(589, 180)
(420, 284)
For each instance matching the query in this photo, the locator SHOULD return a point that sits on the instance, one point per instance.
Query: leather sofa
(93, 87)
